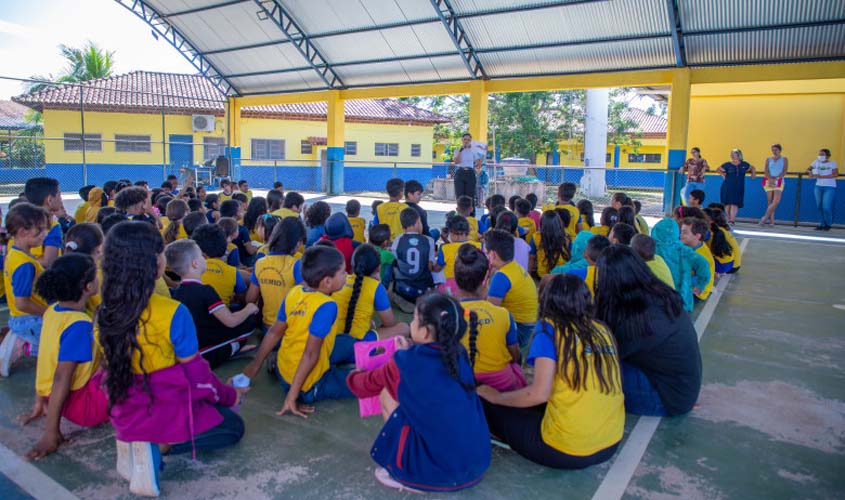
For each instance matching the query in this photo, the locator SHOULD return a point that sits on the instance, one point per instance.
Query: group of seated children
(174, 296)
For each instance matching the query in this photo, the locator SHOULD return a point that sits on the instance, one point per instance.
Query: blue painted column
(555, 154)
(616, 153)
(234, 155)
(335, 128)
(334, 157)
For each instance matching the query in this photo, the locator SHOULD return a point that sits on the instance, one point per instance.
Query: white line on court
(30, 479)
(616, 481)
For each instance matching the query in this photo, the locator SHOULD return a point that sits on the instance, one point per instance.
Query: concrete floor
(770, 421)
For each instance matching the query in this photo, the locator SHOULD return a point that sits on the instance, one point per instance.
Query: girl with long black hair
(550, 245)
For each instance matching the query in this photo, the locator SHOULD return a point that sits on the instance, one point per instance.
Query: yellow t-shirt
(75, 329)
(705, 252)
(517, 290)
(224, 197)
(600, 230)
(582, 422)
(275, 275)
(496, 331)
(372, 298)
(642, 225)
(661, 270)
(300, 313)
(449, 251)
(388, 213)
(165, 331)
(181, 234)
(225, 279)
(575, 215)
(248, 194)
(527, 224)
(81, 212)
(25, 280)
(473, 235)
(359, 225)
(590, 280)
(736, 252)
(284, 213)
(540, 255)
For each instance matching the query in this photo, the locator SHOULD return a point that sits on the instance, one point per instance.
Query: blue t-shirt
(234, 258)
(75, 342)
(321, 322)
(183, 333)
(543, 345)
(380, 301)
(22, 280)
(240, 284)
(54, 237)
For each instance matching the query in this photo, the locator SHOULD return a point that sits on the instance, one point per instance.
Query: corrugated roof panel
(225, 27)
(301, 80)
(326, 16)
(404, 41)
(165, 7)
(465, 6)
(583, 58)
(272, 57)
(698, 15)
(380, 73)
(772, 45)
(450, 68)
(569, 23)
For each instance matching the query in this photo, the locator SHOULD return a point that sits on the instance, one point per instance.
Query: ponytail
(83, 238)
(176, 211)
(473, 336)
(719, 244)
(365, 261)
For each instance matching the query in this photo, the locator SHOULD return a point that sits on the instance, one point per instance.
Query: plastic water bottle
(239, 381)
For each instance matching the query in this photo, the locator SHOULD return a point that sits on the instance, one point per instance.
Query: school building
(137, 122)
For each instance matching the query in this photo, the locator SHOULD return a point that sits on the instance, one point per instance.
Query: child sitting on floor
(693, 233)
(315, 221)
(510, 285)
(645, 247)
(465, 209)
(221, 333)
(389, 212)
(609, 217)
(67, 372)
(523, 210)
(458, 228)
(359, 225)
(415, 259)
(550, 246)
(224, 278)
(595, 246)
(339, 231)
(425, 389)
(380, 238)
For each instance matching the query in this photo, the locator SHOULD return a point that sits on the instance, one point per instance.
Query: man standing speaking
(466, 161)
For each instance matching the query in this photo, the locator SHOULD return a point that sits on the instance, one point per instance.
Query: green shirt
(387, 259)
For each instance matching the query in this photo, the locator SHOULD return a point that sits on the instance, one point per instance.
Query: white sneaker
(8, 352)
(146, 460)
(384, 478)
(124, 459)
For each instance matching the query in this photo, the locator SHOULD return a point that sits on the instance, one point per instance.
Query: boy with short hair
(696, 198)
(292, 206)
(693, 232)
(510, 285)
(44, 192)
(565, 193)
(523, 210)
(415, 259)
(225, 279)
(174, 184)
(278, 186)
(221, 333)
(243, 187)
(492, 203)
(228, 189)
(353, 214)
(413, 196)
(645, 246)
(380, 238)
(389, 211)
(622, 233)
(465, 209)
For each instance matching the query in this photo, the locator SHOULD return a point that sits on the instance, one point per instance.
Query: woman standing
(776, 167)
(733, 185)
(694, 168)
(825, 171)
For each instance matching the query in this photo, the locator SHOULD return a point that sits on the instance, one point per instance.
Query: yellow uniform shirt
(388, 213)
(66, 335)
(517, 290)
(581, 422)
(575, 215)
(540, 256)
(600, 230)
(306, 313)
(165, 331)
(496, 331)
(81, 212)
(704, 251)
(181, 234)
(642, 225)
(371, 298)
(661, 270)
(528, 225)
(275, 275)
(448, 253)
(474, 235)
(359, 225)
(736, 252)
(590, 280)
(224, 197)
(285, 213)
(225, 279)
(248, 194)
(20, 272)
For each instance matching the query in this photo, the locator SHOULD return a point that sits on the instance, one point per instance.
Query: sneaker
(146, 461)
(12, 349)
(384, 478)
(273, 363)
(124, 459)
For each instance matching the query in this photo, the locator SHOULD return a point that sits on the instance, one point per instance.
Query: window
(93, 142)
(306, 148)
(387, 149)
(268, 149)
(416, 150)
(644, 158)
(606, 157)
(212, 147)
(350, 148)
(132, 143)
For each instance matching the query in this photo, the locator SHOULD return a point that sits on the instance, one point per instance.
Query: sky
(31, 30)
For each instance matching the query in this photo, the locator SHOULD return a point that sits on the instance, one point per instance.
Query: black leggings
(520, 429)
(465, 183)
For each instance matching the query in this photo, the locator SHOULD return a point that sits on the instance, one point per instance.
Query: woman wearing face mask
(825, 171)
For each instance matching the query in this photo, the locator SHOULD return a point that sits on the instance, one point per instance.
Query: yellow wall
(801, 116)
(59, 122)
(570, 153)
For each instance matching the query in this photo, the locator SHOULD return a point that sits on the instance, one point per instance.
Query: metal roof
(248, 47)
(12, 116)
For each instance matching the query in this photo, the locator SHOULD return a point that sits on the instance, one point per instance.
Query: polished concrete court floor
(770, 421)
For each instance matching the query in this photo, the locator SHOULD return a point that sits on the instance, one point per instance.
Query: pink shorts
(88, 406)
(509, 378)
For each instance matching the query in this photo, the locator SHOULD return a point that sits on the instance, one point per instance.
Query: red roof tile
(12, 115)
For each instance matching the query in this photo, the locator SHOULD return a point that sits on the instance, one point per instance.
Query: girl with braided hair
(573, 414)
(493, 343)
(360, 298)
(435, 436)
(174, 230)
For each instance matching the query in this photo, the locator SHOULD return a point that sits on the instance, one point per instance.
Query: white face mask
(822, 158)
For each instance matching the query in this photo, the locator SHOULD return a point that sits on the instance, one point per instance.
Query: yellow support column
(478, 110)
(335, 125)
(233, 120)
(676, 140)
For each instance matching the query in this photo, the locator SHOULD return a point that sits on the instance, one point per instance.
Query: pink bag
(369, 356)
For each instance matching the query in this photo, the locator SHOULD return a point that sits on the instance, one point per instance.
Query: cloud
(10, 28)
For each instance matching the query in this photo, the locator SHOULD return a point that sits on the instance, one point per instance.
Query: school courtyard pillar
(478, 110)
(335, 124)
(676, 141)
(233, 137)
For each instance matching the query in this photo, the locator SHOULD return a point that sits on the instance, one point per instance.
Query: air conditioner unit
(203, 123)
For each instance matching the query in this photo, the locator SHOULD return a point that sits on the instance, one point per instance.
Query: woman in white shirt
(825, 171)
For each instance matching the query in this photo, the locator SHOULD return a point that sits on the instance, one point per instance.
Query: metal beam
(677, 35)
(162, 27)
(288, 26)
(204, 8)
(746, 29)
(459, 38)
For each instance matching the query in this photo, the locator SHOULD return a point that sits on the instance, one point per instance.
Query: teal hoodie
(689, 269)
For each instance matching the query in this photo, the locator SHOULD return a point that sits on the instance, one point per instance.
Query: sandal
(384, 478)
